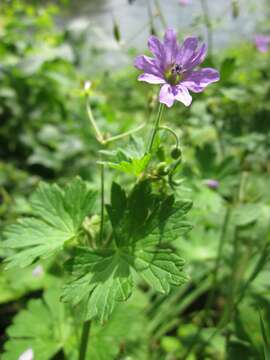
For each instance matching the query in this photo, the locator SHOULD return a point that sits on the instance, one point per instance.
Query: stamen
(174, 74)
(176, 69)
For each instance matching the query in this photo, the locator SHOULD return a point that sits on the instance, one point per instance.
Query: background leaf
(59, 216)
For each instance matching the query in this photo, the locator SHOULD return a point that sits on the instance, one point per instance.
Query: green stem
(101, 203)
(150, 15)
(166, 327)
(155, 129)
(120, 136)
(98, 134)
(210, 299)
(263, 259)
(139, 31)
(208, 25)
(166, 128)
(160, 13)
(234, 280)
(84, 340)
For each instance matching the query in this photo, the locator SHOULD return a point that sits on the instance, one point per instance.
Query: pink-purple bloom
(173, 66)
(184, 2)
(211, 183)
(262, 42)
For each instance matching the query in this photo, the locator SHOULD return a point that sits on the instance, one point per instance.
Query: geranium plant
(135, 230)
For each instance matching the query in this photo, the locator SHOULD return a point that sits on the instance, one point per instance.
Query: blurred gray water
(95, 19)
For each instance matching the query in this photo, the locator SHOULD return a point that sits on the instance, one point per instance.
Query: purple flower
(262, 42)
(211, 183)
(184, 2)
(173, 67)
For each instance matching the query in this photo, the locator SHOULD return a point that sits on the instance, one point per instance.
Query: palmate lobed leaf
(104, 275)
(41, 327)
(131, 160)
(59, 214)
(143, 226)
(48, 326)
(160, 268)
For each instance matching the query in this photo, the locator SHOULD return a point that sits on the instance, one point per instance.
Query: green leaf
(59, 214)
(42, 327)
(102, 279)
(160, 268)
(246, 214)
(126, 330)
(134, 166)
(144, 224)
(228, 66)
(266, 344)
(249, 330)
(12, 286)
(131, 160)
(48, 326)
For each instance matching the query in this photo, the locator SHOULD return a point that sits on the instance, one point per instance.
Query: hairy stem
(98, 134)
(101, 203)
(155, 128)
(171, 131)
(127, 133)
(84, 340)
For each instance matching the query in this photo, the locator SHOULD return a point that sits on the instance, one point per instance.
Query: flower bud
(162, 169)
(211, 183)
(116, 31)
(176, 152)
(87, 87)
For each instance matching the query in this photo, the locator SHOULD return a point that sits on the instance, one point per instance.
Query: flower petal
(171, 46)
(198, 57)
(198, 80)
(183, 95)
(151, 79)
(147, 64)
(166, 95)
(157, 48)
(187, 51)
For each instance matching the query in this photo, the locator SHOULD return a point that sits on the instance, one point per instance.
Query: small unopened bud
(87, 87)
(116, 31)
(153, 30)
(176, 152)
(163, 169)
(152, 101)
(91, 225)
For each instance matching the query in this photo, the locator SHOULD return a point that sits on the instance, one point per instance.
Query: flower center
(174, 74)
